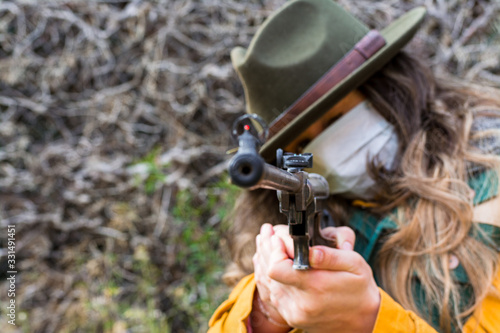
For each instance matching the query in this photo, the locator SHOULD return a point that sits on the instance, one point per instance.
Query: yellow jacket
(231, 316)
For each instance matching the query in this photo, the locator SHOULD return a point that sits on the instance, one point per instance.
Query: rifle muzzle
(246, 170)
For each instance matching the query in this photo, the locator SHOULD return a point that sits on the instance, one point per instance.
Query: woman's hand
(265, 317)
(338, 294)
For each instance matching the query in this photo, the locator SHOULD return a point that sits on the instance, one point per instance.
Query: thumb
(280, 265)
(327, 258)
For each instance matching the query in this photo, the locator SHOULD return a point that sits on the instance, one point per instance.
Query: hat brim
(396, 35)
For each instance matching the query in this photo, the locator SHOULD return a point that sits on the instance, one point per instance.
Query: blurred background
(115, 119)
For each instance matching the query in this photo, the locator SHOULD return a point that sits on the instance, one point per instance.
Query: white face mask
(343, 151)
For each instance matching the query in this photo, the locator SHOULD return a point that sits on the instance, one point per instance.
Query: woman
(412, 165)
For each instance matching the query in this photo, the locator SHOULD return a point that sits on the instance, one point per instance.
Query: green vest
(369, 231)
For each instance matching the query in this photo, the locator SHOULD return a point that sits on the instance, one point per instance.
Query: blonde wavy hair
(427, 188)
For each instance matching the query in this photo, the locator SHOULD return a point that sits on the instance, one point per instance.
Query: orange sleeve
(392, 317)
(231, 315)
(486, 319)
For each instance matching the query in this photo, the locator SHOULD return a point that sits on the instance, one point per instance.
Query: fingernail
(347, 246)
(317, 256)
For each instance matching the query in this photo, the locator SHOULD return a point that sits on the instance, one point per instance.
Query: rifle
(301, 195)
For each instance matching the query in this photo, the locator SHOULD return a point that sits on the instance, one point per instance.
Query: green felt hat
(295, 47)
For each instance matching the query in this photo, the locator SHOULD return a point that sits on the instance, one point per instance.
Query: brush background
(114, 122)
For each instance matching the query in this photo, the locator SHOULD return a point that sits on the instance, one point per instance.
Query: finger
(280, 265)
(261, 279)
(258, 242)
(327, 258)
(329, 232)
(264, 239)
(282, 232)
(266, 230)
(346, 238)
(256, 267)
(280, 228)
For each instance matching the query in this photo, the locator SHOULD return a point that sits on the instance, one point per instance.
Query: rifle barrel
(249, 170)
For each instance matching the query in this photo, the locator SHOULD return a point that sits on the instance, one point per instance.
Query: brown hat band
(361, 52)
